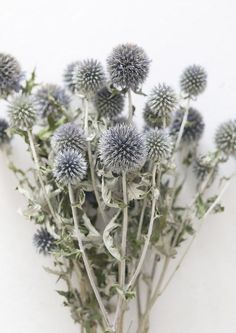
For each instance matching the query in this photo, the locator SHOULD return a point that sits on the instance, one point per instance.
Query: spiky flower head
(10, 75)
(162, 101)
(128, 66)
(70, 167)
(225, 137)
(44, 241)
(4, 138)
(159, 145)
(205, 166)
(69, 136)
(193, 80)
(85, 77)
(152, 120)
(22, 112)
(122, 148)
(109, 105)
(193, 128)
(50, 98)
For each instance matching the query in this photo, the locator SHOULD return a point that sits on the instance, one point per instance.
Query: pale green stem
(184, 121)
(37, 165)
(130, 106)
(88, 269)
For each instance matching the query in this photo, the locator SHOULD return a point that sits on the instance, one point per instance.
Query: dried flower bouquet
(104, 196)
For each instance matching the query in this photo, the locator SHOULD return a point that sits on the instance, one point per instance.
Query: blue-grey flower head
(128, 66)
(10, 75)
(85, 77)
(194, 126)
(193, 80)
(22, 112)
(153, 120)
(44, 241)
(120, 120)
(50, 98)
(69, 136)
(122, 148)
(4, 138)
(159, 145)
(70, 167)
(162, 100)
(205, 166)
(107, 104)
(225, 137)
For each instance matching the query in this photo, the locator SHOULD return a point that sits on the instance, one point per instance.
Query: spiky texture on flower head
(205, 166)
(10, 74)
(159, 145)
(85, 77)
(120, 120)
(49, 98)
(193, 128)
(225, 137)
(69, 136)
(107, 104)
(22, 112)
(153, 120)
(128, 66)
(70, 167)
(122, 148)
(162, 100)
(44, 241)
(193, 80)
(4, 138)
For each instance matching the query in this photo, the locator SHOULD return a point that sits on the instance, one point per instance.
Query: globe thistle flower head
(85, 77)
(225, 137)
(69, 136)
(107, 104)
(162, 100)
(205, 166)
(4, 138)
(49, 98)
(193, 128)
(44, 241)
(153, 120)
(10, 75)
(128, 66)
(159, 145)
(193, 80)
(70, 167)
(22, 112)
(122, 148)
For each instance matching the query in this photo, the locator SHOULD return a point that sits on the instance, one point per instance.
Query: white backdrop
(175, 33)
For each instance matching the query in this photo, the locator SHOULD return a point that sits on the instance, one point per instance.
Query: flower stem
(40, 178)
(130, 106)
(85, 259)
(184, 121)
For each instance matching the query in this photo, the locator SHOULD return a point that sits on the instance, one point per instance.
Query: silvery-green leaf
(134, 193)
(107, 197)
(108, 239)
(93, 233)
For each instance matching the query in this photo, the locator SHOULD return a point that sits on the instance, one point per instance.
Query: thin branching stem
(130, 106)
(184, 121)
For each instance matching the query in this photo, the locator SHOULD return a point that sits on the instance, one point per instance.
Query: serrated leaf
(134, 193)
(108, 239)
(93, 233)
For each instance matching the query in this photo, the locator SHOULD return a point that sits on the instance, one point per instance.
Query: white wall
(175, 33)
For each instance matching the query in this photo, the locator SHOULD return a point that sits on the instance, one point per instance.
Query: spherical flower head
(10, 75)
(122, 148)
(225, 137)
(193, 128)
(85, 77)
(128, 66)
(4, 138)
(69, 136)
(44, 241)
(49, 98)
(153, 120)
(193, 80)
(22, 112)
(70, 167)
(204, 166)
(107, 104)
(162, 100)
(159, 145)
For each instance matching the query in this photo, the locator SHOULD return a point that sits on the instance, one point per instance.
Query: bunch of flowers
(109, 194)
